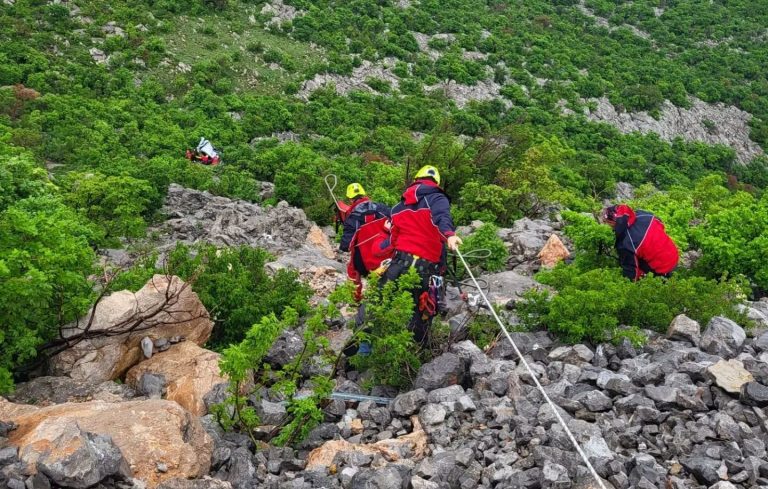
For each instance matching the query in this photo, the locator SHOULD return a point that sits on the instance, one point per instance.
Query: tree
(45, 263)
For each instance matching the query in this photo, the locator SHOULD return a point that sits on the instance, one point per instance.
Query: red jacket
(643, 244)
(421, 221)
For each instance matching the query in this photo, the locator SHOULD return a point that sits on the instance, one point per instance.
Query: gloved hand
(454, 242)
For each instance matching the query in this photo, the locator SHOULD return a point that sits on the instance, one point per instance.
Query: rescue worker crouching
(642, 242)
(366, 228)
(421, 228)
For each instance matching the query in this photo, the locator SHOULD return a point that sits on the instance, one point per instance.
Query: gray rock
(240, 470)
(754, 394)
(572, 354)
(684, 328)
(287, 347)
(446, 394)
(594, 400)
(723, 337)
(443, 371)
(147, 347)
(390, 477)
(761, 342)
(704, 469)
(8, 455)
(82, 459)
(723, 485)
(410, 402)
(419, 483)
(204, 483)
(432, 414)
(38, 481)
(270, 413)
(152, 385)
(624, 192)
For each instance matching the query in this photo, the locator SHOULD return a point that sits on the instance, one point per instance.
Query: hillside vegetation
(99, 100)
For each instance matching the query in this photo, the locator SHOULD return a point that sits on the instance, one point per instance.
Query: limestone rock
(146, 432)
(506, 286)
(731, 124)
(196, 216)
(72, 458)
(445, 370)
(553, 252)
(413, 445)
(190, 372)
(164, 307)
(43, 391)
(723, 337)
(684, 328)
(730, 375)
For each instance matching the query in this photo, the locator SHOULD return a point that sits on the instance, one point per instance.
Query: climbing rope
(533, 376)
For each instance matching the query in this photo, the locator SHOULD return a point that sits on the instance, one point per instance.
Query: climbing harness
(533, 375)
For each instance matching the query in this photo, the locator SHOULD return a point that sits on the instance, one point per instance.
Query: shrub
(235, 288)
(393, 360)
(485, 238)
(592, 305)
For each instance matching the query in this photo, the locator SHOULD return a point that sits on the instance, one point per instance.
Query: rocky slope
(687, 410)
(708, 123)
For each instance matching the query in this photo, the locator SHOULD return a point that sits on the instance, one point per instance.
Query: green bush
(485, 238)
(235, 288)
(593, 305)
(46, 260)
(120, 205)
(393, 359)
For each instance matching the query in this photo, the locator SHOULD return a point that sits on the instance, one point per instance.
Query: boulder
(553, 252)
(730, 375)
(390, 477)
(684, 328)
(754, 394)
(163, 308)
(190, 373)
(70, 457)
(43, 391)
(505, 286)
(445, 370)
(196, 216)
(527, 237)
(723, 337)
(147, 433)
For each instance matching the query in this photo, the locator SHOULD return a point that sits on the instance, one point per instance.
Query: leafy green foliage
(120, 205)
(393, 359)
(45, 264)
(592, 305)
(485, 238)
(235, 288)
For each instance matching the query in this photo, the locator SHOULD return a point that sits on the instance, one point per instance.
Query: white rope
(533, 376)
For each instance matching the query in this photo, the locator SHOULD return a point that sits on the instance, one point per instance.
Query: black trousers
(400, 265)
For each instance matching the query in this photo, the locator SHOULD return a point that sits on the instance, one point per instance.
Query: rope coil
(533, 375)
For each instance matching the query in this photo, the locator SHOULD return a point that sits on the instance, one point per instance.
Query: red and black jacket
(421, 221)
(643, 244)
(363, 234)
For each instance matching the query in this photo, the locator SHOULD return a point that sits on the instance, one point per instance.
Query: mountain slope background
(526, 107)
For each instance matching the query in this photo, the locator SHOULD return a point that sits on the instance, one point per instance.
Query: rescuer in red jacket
(366, 235)
(641, 241)
(421, 229)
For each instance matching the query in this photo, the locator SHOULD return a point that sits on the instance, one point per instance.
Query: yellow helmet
(429, 171)
(355, 190)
